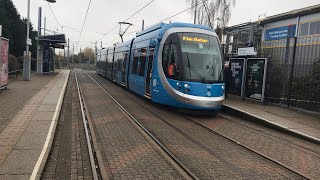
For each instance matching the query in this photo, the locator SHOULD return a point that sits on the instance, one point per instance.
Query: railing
(16, 72)
(294, 71)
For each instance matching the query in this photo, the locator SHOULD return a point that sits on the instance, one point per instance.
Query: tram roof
(165, 27)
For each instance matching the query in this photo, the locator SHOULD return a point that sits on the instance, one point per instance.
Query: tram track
(95, 165)
(302, 176)
(161, 145)
(259, 131)
(229, 139)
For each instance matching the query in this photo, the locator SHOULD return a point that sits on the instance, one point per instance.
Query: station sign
(29, 42)
(237, 66)
(255, 78)
(280, 33)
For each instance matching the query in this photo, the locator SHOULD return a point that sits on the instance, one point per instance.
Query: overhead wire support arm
(122, 33)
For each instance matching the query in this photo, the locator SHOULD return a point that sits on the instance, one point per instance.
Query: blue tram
(175, 64)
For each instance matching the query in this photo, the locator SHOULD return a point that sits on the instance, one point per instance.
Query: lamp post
(27, 56)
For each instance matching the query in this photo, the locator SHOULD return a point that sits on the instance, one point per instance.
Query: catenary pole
(39, 62)
(68, 55)
(26, 62)
(72, 53)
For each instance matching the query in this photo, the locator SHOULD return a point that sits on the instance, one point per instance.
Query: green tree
(14, 29)
(13, 63)
(89, 55)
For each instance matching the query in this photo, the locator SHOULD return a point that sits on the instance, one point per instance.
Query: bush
(13, 63)
(33, 63)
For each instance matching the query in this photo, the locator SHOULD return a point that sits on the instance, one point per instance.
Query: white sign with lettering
(29, 42)
(249, 51)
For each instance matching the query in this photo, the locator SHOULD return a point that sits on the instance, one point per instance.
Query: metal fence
(294, 71)
(16, 72)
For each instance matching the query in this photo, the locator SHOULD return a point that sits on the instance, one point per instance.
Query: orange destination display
(195, 39)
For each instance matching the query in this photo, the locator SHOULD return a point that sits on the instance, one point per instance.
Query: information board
(255, 78)
(237, 66)
(4, 55)
(46, 60)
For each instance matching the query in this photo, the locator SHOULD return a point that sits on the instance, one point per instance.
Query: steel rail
(302, 175)
(162, 146)
(92, 161)
(248, 148)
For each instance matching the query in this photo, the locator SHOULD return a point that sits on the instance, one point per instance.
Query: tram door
(124, 63)
(149, 71)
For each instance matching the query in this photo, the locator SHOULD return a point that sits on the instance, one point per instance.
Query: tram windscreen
(197, 57)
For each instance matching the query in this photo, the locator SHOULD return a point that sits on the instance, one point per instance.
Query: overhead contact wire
(105, 34)
(54, 15)
(85, 19)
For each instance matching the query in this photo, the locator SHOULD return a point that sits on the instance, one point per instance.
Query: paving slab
(43, 116)
(47, 108)
(20, 162)
(25, 142)
(14, 177)
(291, 120)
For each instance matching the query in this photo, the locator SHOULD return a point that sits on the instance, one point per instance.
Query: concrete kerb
(255, 119)
(39, 167)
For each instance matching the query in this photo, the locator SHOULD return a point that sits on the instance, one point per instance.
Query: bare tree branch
(212, 13)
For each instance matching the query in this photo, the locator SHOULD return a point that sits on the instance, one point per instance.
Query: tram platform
(292, 121)
(26, 139)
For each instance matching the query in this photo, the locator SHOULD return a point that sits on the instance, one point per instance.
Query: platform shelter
(47, 46)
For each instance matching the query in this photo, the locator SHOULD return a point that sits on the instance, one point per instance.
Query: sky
(104, 15)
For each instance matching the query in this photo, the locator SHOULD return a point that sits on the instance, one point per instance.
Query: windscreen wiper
(203, 79)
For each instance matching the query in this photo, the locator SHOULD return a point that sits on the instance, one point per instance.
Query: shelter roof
(53, 39)
(292, 14)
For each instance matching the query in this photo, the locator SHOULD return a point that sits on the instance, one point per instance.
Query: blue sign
(280, 33)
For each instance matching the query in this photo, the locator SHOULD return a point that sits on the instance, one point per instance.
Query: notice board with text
(237, 66)
(255, 78)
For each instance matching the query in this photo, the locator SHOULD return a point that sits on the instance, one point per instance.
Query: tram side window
(115, 62)
(109, 61)
(120, 60)
(142, 64)
(135, 62)
(124, 63)
(103, 60)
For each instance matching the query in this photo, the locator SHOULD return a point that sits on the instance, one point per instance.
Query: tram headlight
(187, 87)
(222, 87)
